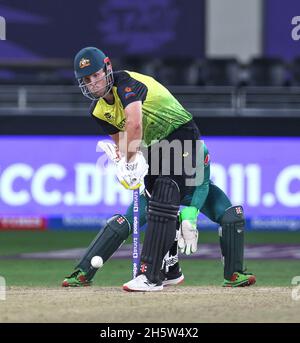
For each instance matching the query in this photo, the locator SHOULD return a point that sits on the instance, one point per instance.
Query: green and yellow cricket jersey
(162, 113)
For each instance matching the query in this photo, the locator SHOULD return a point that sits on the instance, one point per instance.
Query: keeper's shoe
(172, 278)
(76, 279)
(142, 284)
(239, 279)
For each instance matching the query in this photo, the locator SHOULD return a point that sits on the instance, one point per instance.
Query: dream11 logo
(2, 28)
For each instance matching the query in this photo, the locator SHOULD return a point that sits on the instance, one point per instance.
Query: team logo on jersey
(122, 124)
(128, 92)
(108, 116)
(84, 62)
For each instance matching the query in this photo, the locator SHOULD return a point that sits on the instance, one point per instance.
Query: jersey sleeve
(105, 127)
(130, 90)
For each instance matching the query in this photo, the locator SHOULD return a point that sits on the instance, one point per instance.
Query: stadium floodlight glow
(2, 28)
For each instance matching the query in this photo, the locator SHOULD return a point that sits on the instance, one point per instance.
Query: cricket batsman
(135, 109)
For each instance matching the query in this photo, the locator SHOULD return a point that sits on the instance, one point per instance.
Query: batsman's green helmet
(88, 61)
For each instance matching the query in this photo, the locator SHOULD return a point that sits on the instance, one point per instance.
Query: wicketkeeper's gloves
(188, 233)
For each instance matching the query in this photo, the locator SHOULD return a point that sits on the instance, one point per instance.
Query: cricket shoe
(77, 279)
(142, 284)
(240, 279)
(171, 278)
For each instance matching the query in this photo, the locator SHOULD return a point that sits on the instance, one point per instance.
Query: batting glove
(131, 174)
(111, 151)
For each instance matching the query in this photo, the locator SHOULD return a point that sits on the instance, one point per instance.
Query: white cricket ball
(97, 262)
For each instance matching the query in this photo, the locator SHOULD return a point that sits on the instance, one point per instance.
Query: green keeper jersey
(162, 113)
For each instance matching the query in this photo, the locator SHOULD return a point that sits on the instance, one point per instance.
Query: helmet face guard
(109, 78)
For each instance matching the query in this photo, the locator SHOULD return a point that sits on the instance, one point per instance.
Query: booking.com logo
(2, 28)
(2, 288)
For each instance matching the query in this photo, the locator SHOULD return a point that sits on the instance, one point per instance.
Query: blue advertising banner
(282, 28)
(66, 182)
(49, 29)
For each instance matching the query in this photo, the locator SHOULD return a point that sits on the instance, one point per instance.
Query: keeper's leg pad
(108, 240)
(231, 235)
(161, 232)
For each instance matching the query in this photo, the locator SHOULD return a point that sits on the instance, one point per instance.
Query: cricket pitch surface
(174, 304)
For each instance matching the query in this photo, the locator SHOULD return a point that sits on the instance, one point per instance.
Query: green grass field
(37, 273)
(50, 273)
(15, 242)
